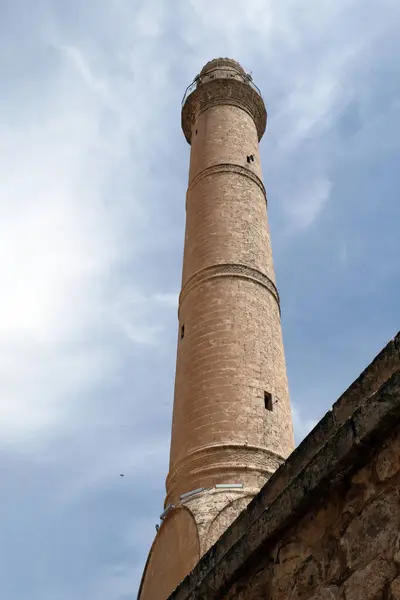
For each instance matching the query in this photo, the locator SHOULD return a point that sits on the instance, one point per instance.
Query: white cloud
(304, 205)
(139, 317)
(167, 299)
(60, 236)
(54, 244)
(75, 55)
(135, 315)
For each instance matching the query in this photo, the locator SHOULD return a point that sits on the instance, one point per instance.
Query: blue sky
(93, 172)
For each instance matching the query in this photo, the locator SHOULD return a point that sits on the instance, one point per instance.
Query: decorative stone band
(229, 270)
(219, 92)
(228, 168)
(218, 458)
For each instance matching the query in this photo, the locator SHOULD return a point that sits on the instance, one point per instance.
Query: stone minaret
(232, 424)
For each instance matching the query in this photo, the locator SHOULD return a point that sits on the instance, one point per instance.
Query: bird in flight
(121, 475)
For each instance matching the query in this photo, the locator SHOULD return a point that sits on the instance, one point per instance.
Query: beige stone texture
(395, 589)
(177, 542)
(215, 510)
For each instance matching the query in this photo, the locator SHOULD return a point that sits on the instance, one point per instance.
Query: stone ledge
(330, 451)
(228, 168)
(223, 92)
(263, 460)
(378, 371)
(229, 270)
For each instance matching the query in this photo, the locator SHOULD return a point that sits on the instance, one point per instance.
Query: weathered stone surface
(314, 523)
(289, 557)
(299, 458)
(378, 414)
(308, 577)
(373, 533)
(332, 558)
(214, 510)
(387, 463)
(277, 516)
(371, 582)
(330, 593)
(395, 589)
(396, 551)
(361, 490)
(330, 460)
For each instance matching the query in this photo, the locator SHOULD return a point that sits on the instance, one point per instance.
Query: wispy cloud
(306, 203)
(141, 317)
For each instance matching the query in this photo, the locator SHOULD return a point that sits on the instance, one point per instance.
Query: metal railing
(192, 86)
(198, 80)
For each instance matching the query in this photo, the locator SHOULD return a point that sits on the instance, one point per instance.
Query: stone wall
(326, 526)
(346, 547)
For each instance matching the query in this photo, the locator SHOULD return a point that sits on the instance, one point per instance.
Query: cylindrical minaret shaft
(231, 420)
(232, 423)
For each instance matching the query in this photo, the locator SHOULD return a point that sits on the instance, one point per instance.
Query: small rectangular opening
(268, 401)
(182, 332)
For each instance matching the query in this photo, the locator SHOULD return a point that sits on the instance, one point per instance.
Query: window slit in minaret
(182, 332)
(268, 401)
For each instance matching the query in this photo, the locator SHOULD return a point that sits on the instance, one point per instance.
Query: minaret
(232, 424)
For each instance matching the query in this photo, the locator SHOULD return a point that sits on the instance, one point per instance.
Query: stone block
(362, 489)
(373, 533)
(371, 582)
(330, 593)
(387, 463)
(308, 577)
(395, 589)
(377, 416)
(332, 559)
